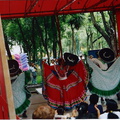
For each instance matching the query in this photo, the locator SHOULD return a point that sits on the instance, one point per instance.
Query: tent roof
(29, 8)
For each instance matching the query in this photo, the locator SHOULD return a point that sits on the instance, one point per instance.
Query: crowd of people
(85, 110)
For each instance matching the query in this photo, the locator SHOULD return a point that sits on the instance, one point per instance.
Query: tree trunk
(55, 36)
(101, 31)
(44, 43)
(33, 42)
(45, 40)
(59, 35)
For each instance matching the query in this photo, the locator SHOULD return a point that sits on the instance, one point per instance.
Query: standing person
(19, 80)
(100, 80)
(65, 83)
(52, 62)
(34, 73)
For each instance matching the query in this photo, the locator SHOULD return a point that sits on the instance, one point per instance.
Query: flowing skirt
(68, 92)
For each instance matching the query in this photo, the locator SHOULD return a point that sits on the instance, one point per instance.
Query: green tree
(107, 30)
(75, 21)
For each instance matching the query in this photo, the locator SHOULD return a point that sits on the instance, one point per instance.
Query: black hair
(60, 110)
(111, 105)
(94, 99)
(82, 109)
(112, 116)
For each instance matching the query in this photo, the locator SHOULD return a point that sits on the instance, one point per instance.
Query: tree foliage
(44, 37)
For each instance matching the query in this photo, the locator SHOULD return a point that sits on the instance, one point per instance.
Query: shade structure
(30, 8)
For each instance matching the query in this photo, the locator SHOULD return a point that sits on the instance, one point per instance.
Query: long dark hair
(111, 105)
(60, 110)
(82, 109)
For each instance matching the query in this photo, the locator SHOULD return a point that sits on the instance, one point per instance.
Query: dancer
(21, 95)
(65, 83)
(105, 82)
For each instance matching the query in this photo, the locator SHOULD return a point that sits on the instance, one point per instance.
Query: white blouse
(104, 115)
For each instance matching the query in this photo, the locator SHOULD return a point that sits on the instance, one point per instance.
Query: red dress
(67, 92)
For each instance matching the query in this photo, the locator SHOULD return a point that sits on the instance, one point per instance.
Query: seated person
(111, 111)
(43, 112)
(60, 113)
(83, 112)
(93, 101)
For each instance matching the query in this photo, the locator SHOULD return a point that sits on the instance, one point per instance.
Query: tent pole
(117, 12)
(6, 75)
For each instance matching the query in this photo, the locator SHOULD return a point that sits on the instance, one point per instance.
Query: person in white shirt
(111, 110)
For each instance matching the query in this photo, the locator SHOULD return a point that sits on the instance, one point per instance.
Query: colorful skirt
(69, 92)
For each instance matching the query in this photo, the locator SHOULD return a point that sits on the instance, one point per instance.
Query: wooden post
(6, 75)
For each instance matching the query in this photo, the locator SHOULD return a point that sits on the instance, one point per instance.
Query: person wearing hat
(21, 95)
(70, 59)
(107, 55)
(105, 82)
(67, 80)
(100, 64)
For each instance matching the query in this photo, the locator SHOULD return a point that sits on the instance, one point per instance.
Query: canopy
(30, 8)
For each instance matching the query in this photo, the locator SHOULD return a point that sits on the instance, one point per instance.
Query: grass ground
(39, 77)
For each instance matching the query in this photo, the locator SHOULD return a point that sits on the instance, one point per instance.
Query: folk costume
(20, 93)
(105, 82)
(64, 85)
(19, 80)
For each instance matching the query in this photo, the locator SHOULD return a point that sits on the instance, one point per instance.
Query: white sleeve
(103, 116)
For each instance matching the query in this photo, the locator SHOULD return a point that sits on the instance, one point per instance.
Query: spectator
(74, 114)
(112, 116)
(112, 111)
(43, 112)
(34, 73)
(52, 62)
(93, 102)
(60, 113)
(83, 112)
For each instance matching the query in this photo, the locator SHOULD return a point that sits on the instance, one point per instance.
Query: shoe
(24, 115)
